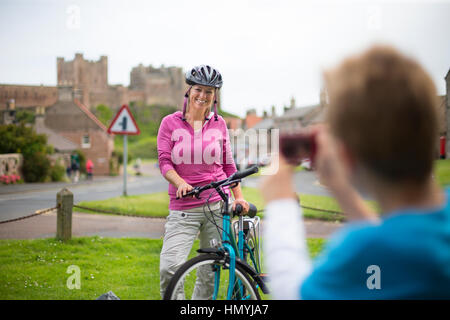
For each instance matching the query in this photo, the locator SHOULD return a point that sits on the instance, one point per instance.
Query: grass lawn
(37, 269)
(156, 204)
(442, 172)
(153, 204)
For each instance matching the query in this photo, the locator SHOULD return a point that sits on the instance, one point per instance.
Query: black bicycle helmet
(204, 75)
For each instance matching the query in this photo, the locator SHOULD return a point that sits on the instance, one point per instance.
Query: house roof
(319, 117)
(267, 123)
(56, 140)
(297, 113)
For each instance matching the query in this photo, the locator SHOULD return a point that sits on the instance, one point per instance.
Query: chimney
(65, 93)
(40, 111)
(292, 105)
(323, 97)
(78, 94)
(274, 113)
(11, 105)
(39, 119)
(9, 116)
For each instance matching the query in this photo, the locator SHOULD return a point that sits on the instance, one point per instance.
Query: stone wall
(11, 163)
(27, 96)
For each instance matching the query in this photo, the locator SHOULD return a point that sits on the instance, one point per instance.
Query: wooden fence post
(64, 201)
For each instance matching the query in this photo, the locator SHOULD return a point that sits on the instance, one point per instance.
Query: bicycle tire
(211, 260)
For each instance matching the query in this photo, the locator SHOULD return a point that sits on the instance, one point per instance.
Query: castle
(81, 86)
(89, 79)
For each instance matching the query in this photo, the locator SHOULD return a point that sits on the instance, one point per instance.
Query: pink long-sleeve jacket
(199, 158)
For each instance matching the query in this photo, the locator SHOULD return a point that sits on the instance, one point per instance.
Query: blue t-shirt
(406, 256)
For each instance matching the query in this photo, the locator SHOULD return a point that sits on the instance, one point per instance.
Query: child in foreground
(380, 137)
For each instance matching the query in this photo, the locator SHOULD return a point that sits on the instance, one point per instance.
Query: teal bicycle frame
(233, 251)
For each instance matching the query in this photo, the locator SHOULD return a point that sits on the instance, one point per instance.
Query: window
(86, 141)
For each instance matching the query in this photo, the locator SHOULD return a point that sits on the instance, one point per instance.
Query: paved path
(85, 224)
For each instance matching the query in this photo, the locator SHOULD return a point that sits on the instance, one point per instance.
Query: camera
(298, 146)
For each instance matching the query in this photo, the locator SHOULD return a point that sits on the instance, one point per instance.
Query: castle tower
(90, 77)
(159, 85)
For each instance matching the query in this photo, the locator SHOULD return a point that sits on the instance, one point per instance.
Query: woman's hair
(382, 106)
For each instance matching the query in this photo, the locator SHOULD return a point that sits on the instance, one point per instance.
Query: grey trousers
(181, 229)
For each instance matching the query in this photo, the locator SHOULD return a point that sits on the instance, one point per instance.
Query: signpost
(124, 124)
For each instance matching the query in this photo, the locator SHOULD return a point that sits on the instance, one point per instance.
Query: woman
(194, 150)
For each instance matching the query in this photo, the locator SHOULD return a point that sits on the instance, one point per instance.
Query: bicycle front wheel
(206, 277)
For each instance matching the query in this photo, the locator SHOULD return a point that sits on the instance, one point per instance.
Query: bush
(33, 147)
(14, 178)
(104, 114)
(57, 172)
(119, 154)
(36, 167)
(146, 148)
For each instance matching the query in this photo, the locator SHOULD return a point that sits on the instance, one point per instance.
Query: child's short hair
(383, 107)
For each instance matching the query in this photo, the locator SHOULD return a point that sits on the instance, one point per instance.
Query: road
(17, 201)
(21, 200)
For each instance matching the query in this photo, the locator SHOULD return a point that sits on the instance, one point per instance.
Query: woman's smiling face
(201, 97)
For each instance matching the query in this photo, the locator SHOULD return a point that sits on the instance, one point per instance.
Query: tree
(104, 114)
(33, 147)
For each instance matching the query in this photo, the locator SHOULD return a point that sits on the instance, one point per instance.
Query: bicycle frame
(253, 227)
(229, 246)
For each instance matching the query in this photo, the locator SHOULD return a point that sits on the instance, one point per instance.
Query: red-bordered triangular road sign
(124, 123)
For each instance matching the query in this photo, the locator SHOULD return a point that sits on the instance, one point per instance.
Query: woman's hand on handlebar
(183, 188)
(243, 203)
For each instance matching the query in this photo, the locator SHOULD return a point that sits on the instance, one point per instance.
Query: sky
(267, 51)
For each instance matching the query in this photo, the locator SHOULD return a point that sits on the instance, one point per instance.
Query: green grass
(442, 172)
(152, 205)
(37, 269)
(156, 205)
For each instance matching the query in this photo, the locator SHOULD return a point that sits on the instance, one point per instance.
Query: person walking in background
(381, 136)
(137, 166)
(68, 166)
(89, 169)
(75, 166)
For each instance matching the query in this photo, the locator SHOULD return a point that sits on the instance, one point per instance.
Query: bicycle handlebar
(251, 211)
(242, 174)
(234, 178)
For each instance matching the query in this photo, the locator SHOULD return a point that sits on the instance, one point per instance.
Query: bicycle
(234, 267)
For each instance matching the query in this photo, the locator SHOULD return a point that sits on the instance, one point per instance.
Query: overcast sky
(267, 51)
